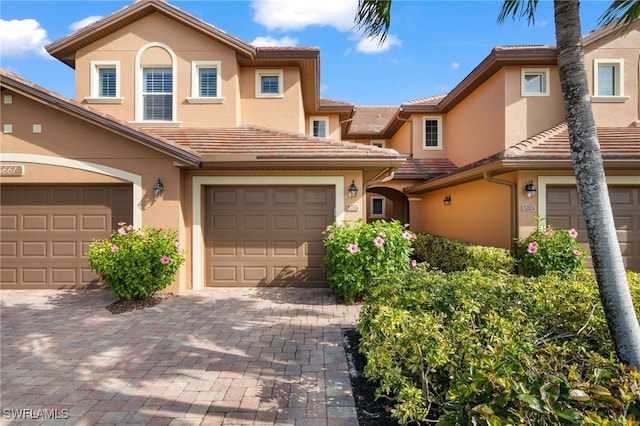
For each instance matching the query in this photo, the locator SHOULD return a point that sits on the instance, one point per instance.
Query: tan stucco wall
(526, 116)
(285, 113)
(68, 150)
(479, 213)
(627, 113)
(475, 128)
(240, 105)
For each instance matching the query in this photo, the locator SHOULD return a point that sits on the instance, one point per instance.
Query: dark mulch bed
(122, 305)
(371, 412)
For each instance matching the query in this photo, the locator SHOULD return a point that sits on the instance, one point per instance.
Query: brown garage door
(46, 231)
(563, 210)
(266, 236)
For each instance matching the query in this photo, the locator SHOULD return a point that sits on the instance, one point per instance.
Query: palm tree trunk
(592, 187)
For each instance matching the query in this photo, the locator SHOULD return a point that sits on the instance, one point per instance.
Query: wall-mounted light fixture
(447, 200)
(353, 189)
(158, 189)
(530, 189)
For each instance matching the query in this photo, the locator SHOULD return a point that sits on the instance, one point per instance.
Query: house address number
(528, 207)
(16, 170)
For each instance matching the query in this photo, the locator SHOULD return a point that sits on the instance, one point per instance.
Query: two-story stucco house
(474, 153)
(180, 125)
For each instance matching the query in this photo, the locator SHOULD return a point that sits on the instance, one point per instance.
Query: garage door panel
(277, 225)
(47, 230)
(564, 211)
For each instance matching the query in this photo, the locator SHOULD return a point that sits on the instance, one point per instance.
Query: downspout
(410, 121)
(514, 205)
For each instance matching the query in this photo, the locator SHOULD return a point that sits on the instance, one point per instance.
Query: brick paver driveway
(210, 357)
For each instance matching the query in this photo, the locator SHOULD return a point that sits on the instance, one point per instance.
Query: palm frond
(622, 14)
(373, 18)
(518, 9)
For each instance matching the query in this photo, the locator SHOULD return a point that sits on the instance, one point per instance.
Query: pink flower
(122, 223)
(408, 235)
(121, 231)
(330, 236)
(115, 249)
(573, 233)
(383, 234)
(549, 232)
(141, 232)
(533, 247)
(130, 228)
(378, 242)
(100, 275)
(179, 245)
(352, 248)
(164, 260)
(413, 263)
(577, 252)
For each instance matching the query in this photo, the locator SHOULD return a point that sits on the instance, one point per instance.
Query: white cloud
(84, 22)
(372, 45)
(285, 41)
(22, 37)
(297, 14)
(455, 66)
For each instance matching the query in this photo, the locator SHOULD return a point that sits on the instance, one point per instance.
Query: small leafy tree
(550, 250)
(136, 263)
(358, 253)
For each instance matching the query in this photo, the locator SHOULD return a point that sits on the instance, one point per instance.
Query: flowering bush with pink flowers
(358, 253)
(136, 263)
(548, 250)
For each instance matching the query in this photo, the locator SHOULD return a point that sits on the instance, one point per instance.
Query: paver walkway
(261, 356)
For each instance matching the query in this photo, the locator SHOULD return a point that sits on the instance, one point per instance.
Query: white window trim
(195, 98)
(424, 132)
(619, 97)
(380, 143)
(95, 83)
(269, 72)
(326, 126)
(384, 207)
(139, 84)
(544, 72)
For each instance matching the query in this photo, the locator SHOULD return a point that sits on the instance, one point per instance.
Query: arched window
(155, 83)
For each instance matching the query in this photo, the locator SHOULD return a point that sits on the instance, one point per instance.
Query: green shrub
(449, 255)
(489, 348)
(549, 250)
(358, 253)
(136, 263)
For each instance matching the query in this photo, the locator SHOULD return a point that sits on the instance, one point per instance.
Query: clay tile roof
(69, 106)
(268, 144)
(324, 102)
(553, 144)
(424, 168)
(431, 100)
(372, 119)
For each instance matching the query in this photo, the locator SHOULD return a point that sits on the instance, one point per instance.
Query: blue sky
(432, 45)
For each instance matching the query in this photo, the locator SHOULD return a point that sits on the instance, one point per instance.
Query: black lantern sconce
(353, 189)
(530, 189)
(158, 189)
(447, 200)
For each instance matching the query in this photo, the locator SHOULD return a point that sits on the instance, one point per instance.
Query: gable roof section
(64, 49)
(620, 148)
(26, 88)
(424, 168)
(260, 147)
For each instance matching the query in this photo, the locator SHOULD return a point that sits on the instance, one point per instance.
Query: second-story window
(105, 82)
(157, 94)
(269, 83)
(432, 132)
(319, 127)
(535, 82)
(608, 79)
